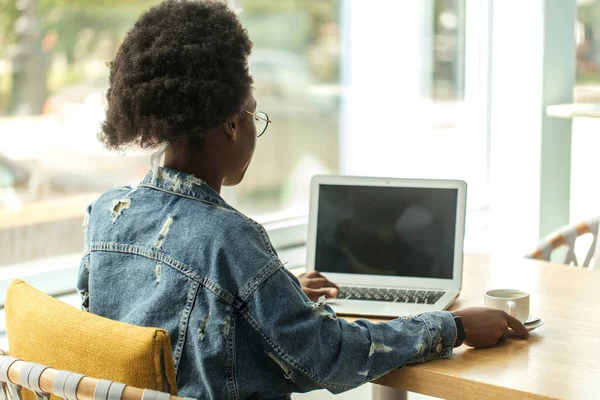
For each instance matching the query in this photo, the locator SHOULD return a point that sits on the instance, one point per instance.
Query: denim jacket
(171, 253)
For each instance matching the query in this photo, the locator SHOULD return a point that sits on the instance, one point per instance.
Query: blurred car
(12, 174)
(15, 186)
(23, 182)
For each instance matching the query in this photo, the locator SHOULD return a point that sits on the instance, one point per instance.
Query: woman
(172, 253)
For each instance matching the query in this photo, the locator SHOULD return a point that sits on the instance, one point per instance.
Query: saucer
(533, 323)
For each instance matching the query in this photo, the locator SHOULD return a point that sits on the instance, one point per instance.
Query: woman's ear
(230, 129)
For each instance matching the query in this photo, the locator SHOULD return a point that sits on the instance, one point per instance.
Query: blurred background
(53, 80)
(319, 69)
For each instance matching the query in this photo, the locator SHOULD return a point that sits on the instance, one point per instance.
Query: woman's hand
(486, 327)
(315, 285)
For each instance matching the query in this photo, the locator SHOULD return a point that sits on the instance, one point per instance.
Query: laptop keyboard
(389, 295)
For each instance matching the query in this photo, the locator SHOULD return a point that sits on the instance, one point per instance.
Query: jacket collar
(170, 180)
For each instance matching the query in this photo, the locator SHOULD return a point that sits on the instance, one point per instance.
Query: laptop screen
(399, 231)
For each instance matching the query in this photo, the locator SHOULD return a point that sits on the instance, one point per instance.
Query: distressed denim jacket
(171, 253)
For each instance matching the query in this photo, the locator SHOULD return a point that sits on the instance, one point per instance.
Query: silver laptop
(394, 246)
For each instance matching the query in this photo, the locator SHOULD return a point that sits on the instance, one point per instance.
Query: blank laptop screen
(399, 231)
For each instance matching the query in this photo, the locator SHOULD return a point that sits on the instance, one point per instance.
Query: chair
(567, 236)
(44, 330)
(17, 374)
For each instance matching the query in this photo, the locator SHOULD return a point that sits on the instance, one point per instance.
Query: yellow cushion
(45, 330)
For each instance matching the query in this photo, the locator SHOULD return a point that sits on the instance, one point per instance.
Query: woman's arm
(319, 350)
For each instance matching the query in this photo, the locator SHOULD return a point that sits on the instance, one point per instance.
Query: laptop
(393, 246)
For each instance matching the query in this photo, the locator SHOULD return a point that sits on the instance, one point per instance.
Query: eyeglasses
(261, 121)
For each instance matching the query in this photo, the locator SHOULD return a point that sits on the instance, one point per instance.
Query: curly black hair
(180, 73)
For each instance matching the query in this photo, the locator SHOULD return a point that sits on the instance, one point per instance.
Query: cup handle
(512, 308)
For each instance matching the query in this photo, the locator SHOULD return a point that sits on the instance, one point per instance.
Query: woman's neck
(197, 163)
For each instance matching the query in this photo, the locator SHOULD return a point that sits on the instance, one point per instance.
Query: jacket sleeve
(317, 349)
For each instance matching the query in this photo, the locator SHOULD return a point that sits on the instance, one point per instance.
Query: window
(351, 86)
(585, 136)
(53, 79)
(415, 103)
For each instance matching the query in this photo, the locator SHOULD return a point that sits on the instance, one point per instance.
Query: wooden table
(560, 360)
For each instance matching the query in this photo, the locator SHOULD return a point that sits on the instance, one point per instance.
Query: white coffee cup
(514, 302)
